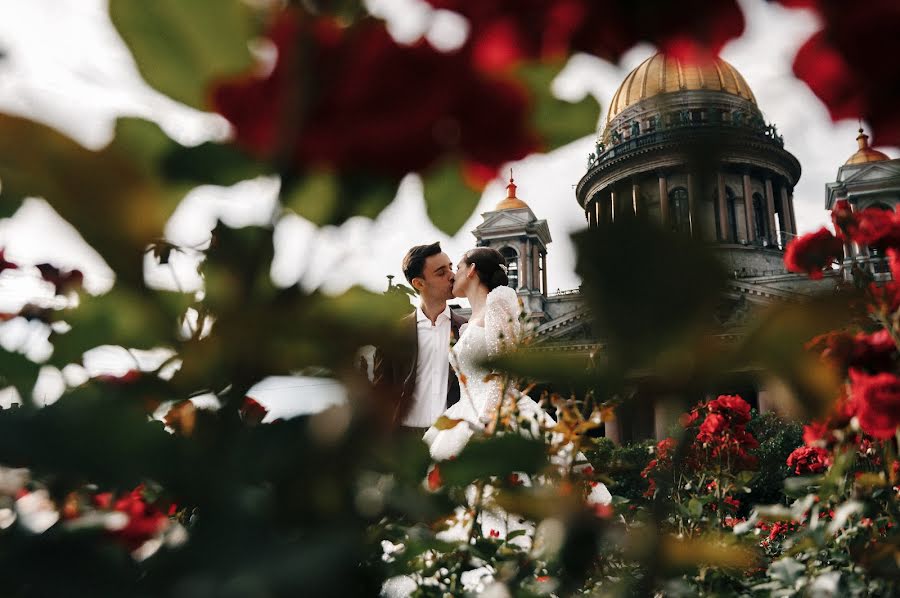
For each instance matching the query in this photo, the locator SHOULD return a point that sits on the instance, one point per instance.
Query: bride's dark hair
(489, 265)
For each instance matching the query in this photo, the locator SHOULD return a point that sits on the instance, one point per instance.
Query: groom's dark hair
(414, 260)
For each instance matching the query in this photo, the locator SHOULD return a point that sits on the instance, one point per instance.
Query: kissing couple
(439, 371)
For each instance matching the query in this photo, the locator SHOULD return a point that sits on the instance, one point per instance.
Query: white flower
(12, 480)
(36, 511)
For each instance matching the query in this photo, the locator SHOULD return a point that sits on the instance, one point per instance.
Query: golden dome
(511, 202)
(865, 153)
(661, 74)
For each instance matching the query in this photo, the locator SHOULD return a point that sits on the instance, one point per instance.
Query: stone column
(664, 416)
(544, 290)
(770, 208)
(765, 403)
(635, 197)
(663, 200)
(612, 205)
(723, 209)
(793, 217)
(525, 266)
(612, 431)
(748, 209)
(786, 212)
(692, 215)
(535, 267)
(591, 214)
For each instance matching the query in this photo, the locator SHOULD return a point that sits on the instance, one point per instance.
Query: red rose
(504, 32)
(885, 296)
(877, 400)
(837, 63)
(732, 502)
(689, 419)
(734, 407)
(871, 352)
(809, 459)
(355, 101)
(817, 433)
(144, 520)
(893, 255)
(665, 448)
(714, 425)
(813, 252)
(844, 219)
(877, 227)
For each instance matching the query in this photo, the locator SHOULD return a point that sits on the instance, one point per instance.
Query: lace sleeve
(502, 328)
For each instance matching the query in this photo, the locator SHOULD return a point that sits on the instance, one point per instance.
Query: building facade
(688, 146)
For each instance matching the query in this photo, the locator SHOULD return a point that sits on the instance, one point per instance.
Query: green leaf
(446, 423)
(182, 47)
(805, 385)
(449, 200)
(786, 570)
(558, 121)
(326, 198)
(112, 197)
(120, 317)
(211, 164)
(495, 456)
(18, 371)
(648, 288)
(695, 508)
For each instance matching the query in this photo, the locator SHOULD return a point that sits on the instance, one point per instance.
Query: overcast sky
(66, 66)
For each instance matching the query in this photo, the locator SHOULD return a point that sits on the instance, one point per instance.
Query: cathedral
(663, 118)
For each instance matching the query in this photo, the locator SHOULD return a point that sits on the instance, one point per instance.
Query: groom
(417, 375)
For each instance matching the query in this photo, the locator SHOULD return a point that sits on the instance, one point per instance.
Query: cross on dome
(511, 202)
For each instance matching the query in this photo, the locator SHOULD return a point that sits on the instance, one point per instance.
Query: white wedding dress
(480, 392)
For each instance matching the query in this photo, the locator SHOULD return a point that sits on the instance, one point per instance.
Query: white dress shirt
(432, 369)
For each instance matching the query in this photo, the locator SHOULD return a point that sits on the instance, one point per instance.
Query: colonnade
(778, 199)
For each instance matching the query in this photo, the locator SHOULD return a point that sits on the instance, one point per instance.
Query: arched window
(512, 266)
(879, 264)
(759, 217)
(680, 210)
(731, 209)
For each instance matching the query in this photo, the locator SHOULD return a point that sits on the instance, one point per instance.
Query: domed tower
(513, 229)
(868, 180)
(687, 145)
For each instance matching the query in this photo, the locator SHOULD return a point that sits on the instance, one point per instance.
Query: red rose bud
(434, 479)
